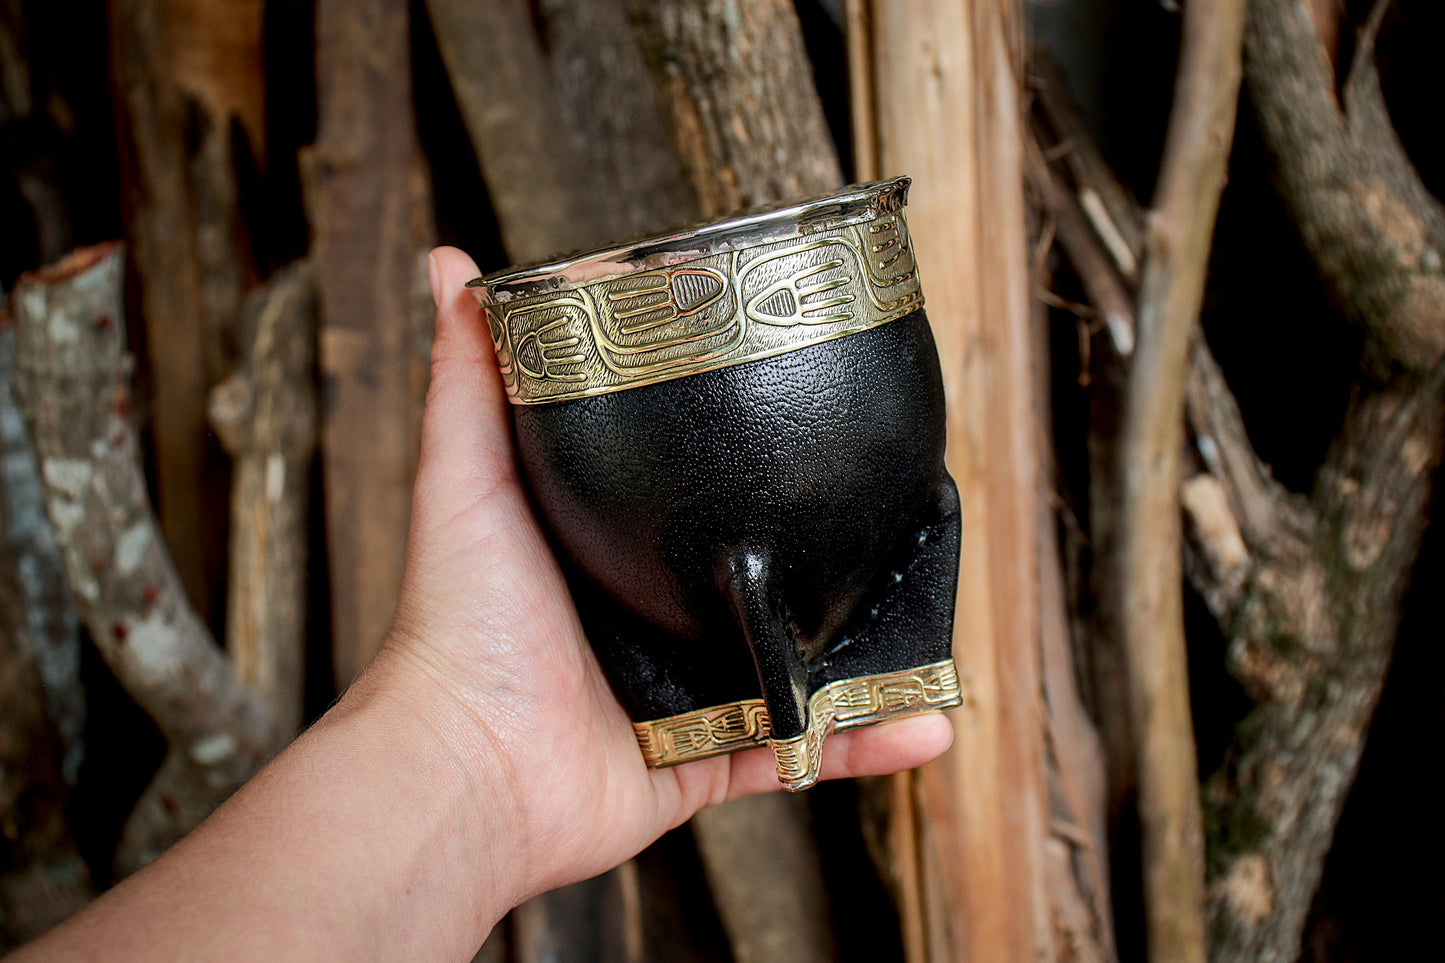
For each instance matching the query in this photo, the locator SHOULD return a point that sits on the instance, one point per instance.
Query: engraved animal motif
(666, 319)
(545, 339)
(808, 282)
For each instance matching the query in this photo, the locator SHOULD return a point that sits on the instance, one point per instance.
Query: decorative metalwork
(846, 704)
(749, 288)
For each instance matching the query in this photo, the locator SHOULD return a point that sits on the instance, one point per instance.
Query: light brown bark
(1145, 573)
(945, 88)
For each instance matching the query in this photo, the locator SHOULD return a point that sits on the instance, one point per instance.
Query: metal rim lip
(857, 204)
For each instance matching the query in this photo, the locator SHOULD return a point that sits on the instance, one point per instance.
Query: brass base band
(845, 704)
(704, 313)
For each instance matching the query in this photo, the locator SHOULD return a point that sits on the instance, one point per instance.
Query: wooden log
(562, 173)
(265, 414)
(42, 877)
(73, 373)
(741, 105)
(945, 87)
(188, 76)
(368, 198)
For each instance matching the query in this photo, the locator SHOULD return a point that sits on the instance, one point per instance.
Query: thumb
(466, 440)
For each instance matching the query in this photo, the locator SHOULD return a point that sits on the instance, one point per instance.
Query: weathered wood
(39, 610)
(946, 92)
(1312, 611)
(562, 114)
(265, 414)
(187, 77)
(42, 878)
(73, 373)
(368, 198)
(742, 109)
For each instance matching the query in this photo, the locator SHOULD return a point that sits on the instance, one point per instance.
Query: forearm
(373, 836)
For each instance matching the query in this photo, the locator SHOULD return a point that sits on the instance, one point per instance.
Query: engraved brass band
(688, 313)
(846, 704)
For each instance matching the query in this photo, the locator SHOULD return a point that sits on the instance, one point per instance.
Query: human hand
(488, 647)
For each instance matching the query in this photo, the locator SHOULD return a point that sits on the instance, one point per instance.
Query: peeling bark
(73, 373)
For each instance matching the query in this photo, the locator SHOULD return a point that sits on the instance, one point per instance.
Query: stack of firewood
(208, 432)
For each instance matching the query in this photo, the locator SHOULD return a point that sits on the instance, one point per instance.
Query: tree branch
(724, 82)
(1178, 238)
(73, 372)
(1375, 232)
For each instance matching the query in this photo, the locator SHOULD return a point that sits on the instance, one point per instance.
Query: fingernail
(434, 275)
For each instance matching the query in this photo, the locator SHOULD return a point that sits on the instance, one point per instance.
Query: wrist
(440, 769)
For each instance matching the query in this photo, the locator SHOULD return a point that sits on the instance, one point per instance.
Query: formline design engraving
(807, 290)
(649, 324)
(845, 704)
(704, 313)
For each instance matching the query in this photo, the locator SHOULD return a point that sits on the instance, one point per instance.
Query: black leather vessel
(763, 544)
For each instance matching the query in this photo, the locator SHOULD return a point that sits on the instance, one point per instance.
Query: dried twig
(1148, 579)
(73, 372)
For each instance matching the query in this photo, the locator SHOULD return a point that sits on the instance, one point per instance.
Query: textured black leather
(761, 529)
